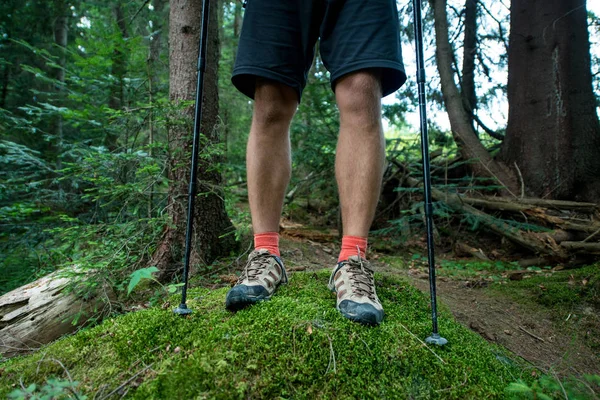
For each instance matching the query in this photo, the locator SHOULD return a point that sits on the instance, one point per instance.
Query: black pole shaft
(201, 67)
(425, 153)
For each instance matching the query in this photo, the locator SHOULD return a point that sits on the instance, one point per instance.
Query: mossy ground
(562, 289)
(294, 346)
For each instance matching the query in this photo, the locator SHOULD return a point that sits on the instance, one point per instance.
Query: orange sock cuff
(353, 246)
(268, 241)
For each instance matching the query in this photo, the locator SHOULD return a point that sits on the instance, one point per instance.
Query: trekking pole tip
(436, 339)
(182, 310)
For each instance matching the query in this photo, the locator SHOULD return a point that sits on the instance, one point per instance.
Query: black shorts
(278, 40)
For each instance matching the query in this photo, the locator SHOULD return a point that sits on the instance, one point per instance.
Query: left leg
(360, 45)
(360, 155)
(359, 163)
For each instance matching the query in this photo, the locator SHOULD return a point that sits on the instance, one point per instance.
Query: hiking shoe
(352, 281)
(263, 273)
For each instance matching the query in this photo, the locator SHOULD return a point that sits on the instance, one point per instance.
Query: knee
(359, 97)
(274, 104)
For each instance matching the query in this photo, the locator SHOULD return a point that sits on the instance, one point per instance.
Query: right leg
(275, 51)
(268, 164)
(268, 156)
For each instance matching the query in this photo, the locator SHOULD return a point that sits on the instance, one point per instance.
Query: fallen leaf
(309, 329)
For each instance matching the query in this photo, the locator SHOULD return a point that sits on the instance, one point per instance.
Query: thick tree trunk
(467, 141)
(553, 134)
(210, 219)
(42, 311)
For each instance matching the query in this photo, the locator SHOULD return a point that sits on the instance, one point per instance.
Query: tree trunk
(210, 219)
(60, 39)
(469, 96)
(5, 81)
(118, 71)
(153, 57)
(237, 19)
(553, 134)
(468, 144)
(42, 311)
(61, 30)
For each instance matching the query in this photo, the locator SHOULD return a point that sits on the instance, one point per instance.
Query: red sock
(353, 246)
(267, 240)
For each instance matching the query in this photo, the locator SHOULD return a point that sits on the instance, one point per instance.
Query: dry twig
(531, 334)
(423, 343)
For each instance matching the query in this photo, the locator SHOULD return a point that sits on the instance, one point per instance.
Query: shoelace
(361, 279)
(254, 267)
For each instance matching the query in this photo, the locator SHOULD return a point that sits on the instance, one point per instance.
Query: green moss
(562, 289)
(283, 348)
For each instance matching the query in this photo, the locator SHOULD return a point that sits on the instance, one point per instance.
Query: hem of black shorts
(367, 64)
(238, 72)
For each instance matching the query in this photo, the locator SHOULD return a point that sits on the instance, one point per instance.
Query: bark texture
(464, 135)
(42, 311)
(553, 134)
(210, 219)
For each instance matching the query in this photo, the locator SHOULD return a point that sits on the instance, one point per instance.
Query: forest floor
(538, 315)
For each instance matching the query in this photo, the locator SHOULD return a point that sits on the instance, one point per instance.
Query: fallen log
(545, 203)
(461, 248)
(42, 311)
(533, 210)
(593, 248)
(538, 242)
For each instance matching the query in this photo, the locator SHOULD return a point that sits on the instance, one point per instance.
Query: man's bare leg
(268, 164)
(359, 166)
(360, 156)
(268, 159)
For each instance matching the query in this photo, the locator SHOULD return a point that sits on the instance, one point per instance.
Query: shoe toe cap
(364, 313)
(242, 295)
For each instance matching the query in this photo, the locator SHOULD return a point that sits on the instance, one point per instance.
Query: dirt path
(529, 331)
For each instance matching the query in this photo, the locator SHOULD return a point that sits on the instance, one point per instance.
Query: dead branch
(593, 248)
(541, 243)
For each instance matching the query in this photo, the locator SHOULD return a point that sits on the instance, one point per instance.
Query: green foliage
(53, 389)
(137, 276)
(112, 222)
(549, 387)
(82, 162)
(297, 345)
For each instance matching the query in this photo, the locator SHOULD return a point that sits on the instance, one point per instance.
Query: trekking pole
(201, 67)
(435, 337)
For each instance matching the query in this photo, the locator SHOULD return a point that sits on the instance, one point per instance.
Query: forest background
(95, 142)
(96, 103)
